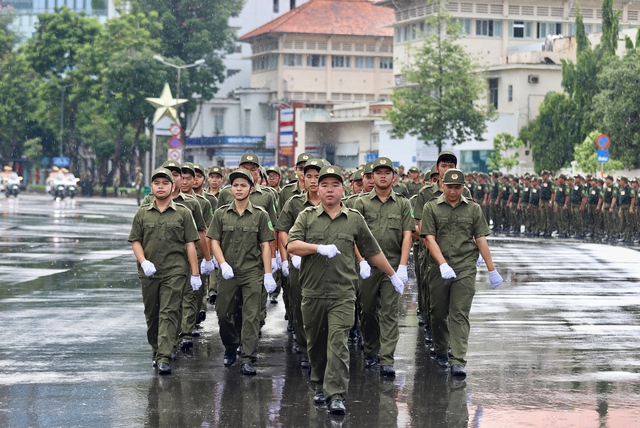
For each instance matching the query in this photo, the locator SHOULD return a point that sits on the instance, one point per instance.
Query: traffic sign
(603, 155)
(175, 143)
(175, 155)
(61, 161)
(603, 141)
(175, 130)
(370, 157)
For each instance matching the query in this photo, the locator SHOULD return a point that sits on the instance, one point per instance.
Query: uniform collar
(153, 206)
(372, 194)
(320, 210)
(232, 207)
(443, 200)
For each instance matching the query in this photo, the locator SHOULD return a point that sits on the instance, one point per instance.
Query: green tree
(552, 134)
(586, 155)
(610, 29)
(503, 143)
(193, 30)
(442, 86)
(617, 107)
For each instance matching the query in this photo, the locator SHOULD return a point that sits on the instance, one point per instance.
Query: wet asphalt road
(556, 345)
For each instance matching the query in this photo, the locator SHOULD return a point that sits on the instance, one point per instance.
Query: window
(414, 31)
(386, 63)
(521, 29)
(493, 93)
(247, 122)
(238, 48)
(405, 35)
(488, 28)
(218, 120)
(292, 60)
(510, 93)
(340, 61)
(265, 62)
(465, 26)
(398, 34)
(276, 6)
(316, 61)
(365, 62)
(549, 29)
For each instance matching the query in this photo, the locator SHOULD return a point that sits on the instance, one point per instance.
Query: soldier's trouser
(190, 303)
(534, 218)
(546, 214)
(202, 294)
(327, 323)
(562, 218)
(525, 216)
(162, 298)
(591, 219)
(609, 221)
(214, 280)
(278, 278)
(497, 215)
(424, 286)
(295, 303)
(504, 211)
(450, 306)
(515, 217)
(249, 284)
(577, 219)
(626, 225)
(379, 316)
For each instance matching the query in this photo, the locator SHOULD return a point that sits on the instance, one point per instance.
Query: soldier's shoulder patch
(271, 226)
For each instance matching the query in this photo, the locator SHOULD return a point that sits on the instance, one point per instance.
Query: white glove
(274, 265)
(365, 270)
(148, 267)
(495, 279)
(480, 260)
(269, 283)
(403, 274)
(328, 250)
(227, 271)
(206, 267)
(196, 282)
(397, 283)
(296, 261)
(446, 271)
(215, 263)
(285, 268)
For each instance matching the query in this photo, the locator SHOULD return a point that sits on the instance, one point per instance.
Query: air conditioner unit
(534, 79)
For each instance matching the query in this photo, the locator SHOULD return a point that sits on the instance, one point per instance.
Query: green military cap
(198, 168)
(263, 172)
(162, 172)
(187, 168)
(527, 177)
(368, 168)
(383, 163)
(515, 178)
(601, 181)
(357, 175)
(545, 172)
(538, 179)
(427, 175)
(414, 169)
(241, 173)
(250, 158)
(313, 163)
(274, 168)
(564, 177)
(330, 171)
(623, 178)
(434, 171)
(361, 167)
(303, 157)
(469, 174)
(400, 166)
(172, 165)
(216, 170)
(495, 173)
(326, 162)
(453, 176)
(447, 155)
(482, 174)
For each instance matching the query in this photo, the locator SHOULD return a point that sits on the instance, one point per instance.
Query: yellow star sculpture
(165, 105)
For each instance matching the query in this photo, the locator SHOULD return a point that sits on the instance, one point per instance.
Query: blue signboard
(60, 162)
(229, 140)
(370, 157)
(603, 155)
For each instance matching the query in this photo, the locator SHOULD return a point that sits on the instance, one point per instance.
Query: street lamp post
(62, 90)
(179, 68)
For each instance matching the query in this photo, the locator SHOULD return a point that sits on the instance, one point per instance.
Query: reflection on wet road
(556, 345)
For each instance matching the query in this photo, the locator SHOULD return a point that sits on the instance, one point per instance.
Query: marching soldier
(625, 202)
(546, 219)
(561, 206)
(609, 196)
(415, 181)
(577, 200)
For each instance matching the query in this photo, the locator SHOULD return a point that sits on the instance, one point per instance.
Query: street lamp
(62, 89)
(179, 68)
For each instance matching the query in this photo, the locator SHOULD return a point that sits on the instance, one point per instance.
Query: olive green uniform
(626, 196)
(329, 291)
(401, 189)
(163, 236)
(413, 187)
(546, 219)
(576, 219)
(560, 210)
(198, 296)
(240, 237)
(608, 195)
(208, 280)
(294, 206)
(535, 210)
(525, 210)
(454, 229)
(378, 298)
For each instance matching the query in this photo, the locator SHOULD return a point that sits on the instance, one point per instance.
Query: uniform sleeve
(365, 241)
(408, 222)
(420, 201)
(271, 209)
(299, 230)
(480, 226)
(265, 233)
(206, 211)
(190, 231)
(136, 233)
(285, 220)
(197, 216)
(428, 221)
(359, 206)
(215, 228)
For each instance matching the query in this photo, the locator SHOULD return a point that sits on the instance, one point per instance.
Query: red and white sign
(175, 155)
(175, 130)
(285, 129)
